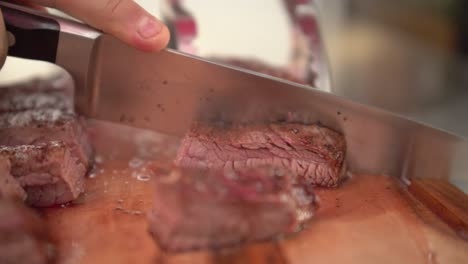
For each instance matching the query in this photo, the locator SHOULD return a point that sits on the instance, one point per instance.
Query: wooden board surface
(369, 219)
(444, 200)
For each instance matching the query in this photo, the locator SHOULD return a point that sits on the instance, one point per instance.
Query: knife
(167, 91)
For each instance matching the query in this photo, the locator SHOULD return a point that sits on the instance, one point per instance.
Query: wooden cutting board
(369, 219)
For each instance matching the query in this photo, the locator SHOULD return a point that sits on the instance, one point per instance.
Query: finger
(3, 41)
(124, 19)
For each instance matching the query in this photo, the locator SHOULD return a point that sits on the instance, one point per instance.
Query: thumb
(123, 19)
(3, 41)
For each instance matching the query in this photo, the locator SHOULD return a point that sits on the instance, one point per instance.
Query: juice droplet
(135, 163)
(143, 177)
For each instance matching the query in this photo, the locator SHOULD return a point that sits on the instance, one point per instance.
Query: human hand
(124, 19)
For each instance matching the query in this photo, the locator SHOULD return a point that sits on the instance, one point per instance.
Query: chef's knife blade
(168, 91)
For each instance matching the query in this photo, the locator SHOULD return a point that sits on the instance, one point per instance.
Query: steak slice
(58, 83)
(21, 101)
(9, 186)
(23, 238)
(34, 127)
(196, 209)
(312, 152)
(49, 172)
(43, 140)
(54, 93)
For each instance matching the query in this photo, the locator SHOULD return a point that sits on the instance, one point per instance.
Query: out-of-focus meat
(312, 152)
(14, 101)
(54, 93)
(9, 186)
(23, 236)
(199, 208)
(58, 83)
(49, 172)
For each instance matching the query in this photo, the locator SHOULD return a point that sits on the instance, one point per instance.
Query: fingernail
(149, 27)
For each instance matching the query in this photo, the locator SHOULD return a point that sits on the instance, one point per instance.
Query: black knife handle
(34, 36)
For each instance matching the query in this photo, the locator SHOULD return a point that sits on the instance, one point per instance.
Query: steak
(34, 100)
(45, 142)
(15, 99)
(23, 238)
(33, 127)
(312, 152)
(9, 186)
(56, 92)
(49, 172)
(58, 83)
(196, 209)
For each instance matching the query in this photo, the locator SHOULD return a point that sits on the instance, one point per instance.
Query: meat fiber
(45, 142)
(49, 172)
(23, 237)
(33, 127)
(198, 208)
(312, 152)
(9, 186)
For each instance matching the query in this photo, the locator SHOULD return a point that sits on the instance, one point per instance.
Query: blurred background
(406, 56)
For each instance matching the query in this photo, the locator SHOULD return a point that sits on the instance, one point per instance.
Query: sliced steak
(34, 127)
(312, 152)
(49, 172)
(45, 142)
(9, 186)
(23, 237)
(196, 209)
(54, 93)
(21, 101)
(37, 100)
(58, 83)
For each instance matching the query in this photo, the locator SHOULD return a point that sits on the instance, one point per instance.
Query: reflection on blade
(167, 91)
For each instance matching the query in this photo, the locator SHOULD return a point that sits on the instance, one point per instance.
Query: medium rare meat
(199, 208)
(33, 127)
(45, 142)
(23, 238)
(49, 172)
(9, 186)
(312, 152)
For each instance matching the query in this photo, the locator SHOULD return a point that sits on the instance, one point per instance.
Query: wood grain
(445, 200)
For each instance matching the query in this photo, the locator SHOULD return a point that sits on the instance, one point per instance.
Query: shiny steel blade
(167, 91)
